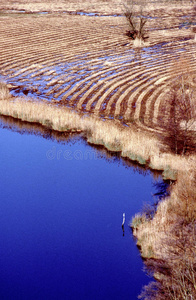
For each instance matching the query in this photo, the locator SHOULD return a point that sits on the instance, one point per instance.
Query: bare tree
(136, 20)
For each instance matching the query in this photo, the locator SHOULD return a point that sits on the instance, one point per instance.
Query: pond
(61, 211)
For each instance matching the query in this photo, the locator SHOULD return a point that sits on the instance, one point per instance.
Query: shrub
(178, 117)
(176, 275)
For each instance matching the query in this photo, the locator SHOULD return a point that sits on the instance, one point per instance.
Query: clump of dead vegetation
(178, 116)
(168, 242)
(4, 91)
(176, 275)
(136, 21)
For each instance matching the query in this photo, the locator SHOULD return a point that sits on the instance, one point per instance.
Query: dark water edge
(61, 211)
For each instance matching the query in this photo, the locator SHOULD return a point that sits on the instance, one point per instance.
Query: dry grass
(180, 204)
(168, 241)
(60, 5)
(4, 91)
(110, 133)
(63, 119)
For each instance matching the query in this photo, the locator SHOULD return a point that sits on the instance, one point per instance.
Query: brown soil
(88, 63)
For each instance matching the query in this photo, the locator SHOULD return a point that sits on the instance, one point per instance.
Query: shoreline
(166, 241)
(108, 133)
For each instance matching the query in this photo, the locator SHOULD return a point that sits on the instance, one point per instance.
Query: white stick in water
(123, 222)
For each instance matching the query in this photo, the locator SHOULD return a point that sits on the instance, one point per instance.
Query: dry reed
(131, 142)
(4, 91)
(169, 238)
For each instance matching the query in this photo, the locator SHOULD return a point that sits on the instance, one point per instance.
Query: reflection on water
(22, 127)
(60, 219)
(161, 189)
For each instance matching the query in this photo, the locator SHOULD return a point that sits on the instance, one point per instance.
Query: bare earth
(77, 54)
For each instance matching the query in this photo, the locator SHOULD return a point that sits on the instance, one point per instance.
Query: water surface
(61, 210)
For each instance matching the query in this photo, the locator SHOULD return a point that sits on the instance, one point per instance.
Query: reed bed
(168, 242)
(131, 142)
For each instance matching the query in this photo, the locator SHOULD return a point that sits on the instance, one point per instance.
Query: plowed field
(86, 61)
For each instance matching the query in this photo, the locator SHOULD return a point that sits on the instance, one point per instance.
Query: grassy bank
(132, 142)
(180, 204)
(167, 242)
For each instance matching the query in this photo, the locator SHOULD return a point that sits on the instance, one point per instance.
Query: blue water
(61, 207)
